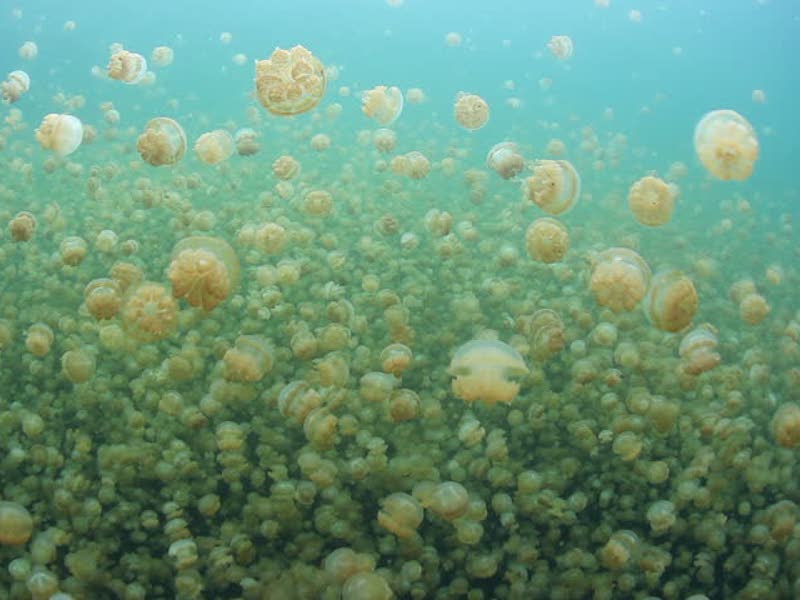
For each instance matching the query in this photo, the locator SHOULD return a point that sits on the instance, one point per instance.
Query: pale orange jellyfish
(698, 350)
(561, 46)
(554, 186)
(204, 270)
(163, 142)
(13, 88)
(128, 67)
(383, 104)
(149, 313)
(726, 144)
(671, 302)
(214, 147)
(471, 111)
(484, 371)
(505, 160)
(60, 133)
(290, 82)
(547, 240)
(651, 201)
(619, 279)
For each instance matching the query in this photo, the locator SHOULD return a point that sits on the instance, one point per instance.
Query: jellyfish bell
(204, 270)
(652, 201)
(698, 350)
(619, 278)
(726, 145)
(554, 186)
(62, 134)
(290, 82)
(128, 67)
(214, 147)
(246, 142)
(15, 86)
(671, 302)
(162, 142)
(382, 104)
(471, 111)
(505, 160)
(484, 370)
(561, 46)
(149, 312)
(547, 240)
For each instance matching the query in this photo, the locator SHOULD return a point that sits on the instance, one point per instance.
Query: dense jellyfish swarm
(394, 376)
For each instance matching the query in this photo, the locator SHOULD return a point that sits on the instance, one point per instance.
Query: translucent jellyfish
(213, 147)
(453, 39)
(16, 524)
(384, 140)
(619, 279)
(786, 425)
(246, 142)
(28, 51)
(128, 67)
(249, 360)
(759, 96)
(149, 312)
(547, 333)
(366, 586)
(22, 226)
(78, 365)
(415, 96)
(16, 84)
(62, 134)
(290, 82)
(285, 167)
(318, 203)
(162, 56)
(39, 339)
(505, 160)
(554, 186)
(671, 301)
(726, 144)
(651, 201)
(163, 142)
(485, 370)
(382, 104)
(753, 308)
(471, 111)
(547, 240)
(448, 499)
(72, 250)
(320, 142)
(204, 270)
(561, 46)
(401, 514)
(698, 350)
(103, 298)
(271, 237)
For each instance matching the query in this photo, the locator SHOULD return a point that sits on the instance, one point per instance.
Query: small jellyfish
(16, 524)
(759, 96)
(505, 160)
(163, 142)
(786, 425)
(415, 95)
(318, 203)
(38, 339)
(285, 167)
(62, 134)
(28, 51)
(471, 111)
(753, 308)
(561, 46)
(78, 365)
(651, 201)
(103, 298)
(484, 370)
(384, 140)
(72, 250)
(382, 104)
(149, 312)
(204, 270)
(128, 67)
(726, 145)
(214, 147)
(401, 514)
(249, 360)
(453, 39)
(290, 82)
(619, 278)
(547, 240)
(16, 84)
(162, 56)
(698, 350)
(554, 186)
(22, 226)
(448, 499)
(671, 301)
(547, 333)
(246, 142)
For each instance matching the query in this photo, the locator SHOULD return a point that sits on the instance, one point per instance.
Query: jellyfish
(163, 142)
(149, 312)
(484, 370)
(72, 250)
(62, 134)
(16, 84)
(471, 111)
(651, 201)
(246, 142)
(786, 425)
(698, 350)
(382, 104)
(726, 145)
(213, 147)
(290, 82)
(39, 339)
(22, 226)
(204, 270)
(162, 56)
(547, 240)
(28, 51)
(16, 524)
(103, 298)
(561, 46)
(546, 330)
(285, 167)
(671, 301)
(78, 365)
(128, 67)
(505, 160)
(753, 308)
(249, 360)
(384, 140)
(401, 514)
(318, 203)
(619, 278)
(554, 186)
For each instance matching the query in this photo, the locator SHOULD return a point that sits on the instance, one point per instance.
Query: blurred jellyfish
(290, 82)
(453, 39)
(554, 186)
(128, 67)
(759, 96)
(384, 140)
(619, 278)
(214, 147)
(382, 104)
(163, 142)
(753, 308)
(726, 144)
(249, 360)
(285, 167)
(415, 96)
(226, 37)
(103, 298)
(239, 59)
(28, 51)
(471, 111)
(505, 160)
(547, 240)
(698, 350)
(547, 334)
(62, 134)
(485, 370)
(149, 312)
(246, 142)
(162, 56)
(561, 46)
(22, 226)
(671, 301)
(651, 201)
(204, 270)
(16, 84)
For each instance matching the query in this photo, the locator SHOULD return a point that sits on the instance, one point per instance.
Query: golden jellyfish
(698, 350)
(28, 51)
(163, 142)
(320, 142)
(485, 370)
(249, 360)
(38, 339)
(16, 84)
(396, 359)
(384, 140)
(271, 237)
(73, 250)
(786, 425)
(452, 39)
(652, 201)
(285, 167)
(401, 514)
(759, 96)
(753, 308)
(382, 104)
(290, 82)
(204, 270)
(22, 226)
(318, 203)
(561, 46)
(505, 160)
(448, 499)
(366, 586)
(726, 145)
(162, 56)
(619, 278)
(16, 524)
(103, 298)
(343, 563)
(547, 240)
(546, 330)
(415, 95)
(471, 111)
(246, 140)
(414, 165)
(149, 312)
(213, 147)
(78, 365)
(128, 67)
(62, 134)
(126, 275)
(671, 301)
(554, 186)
